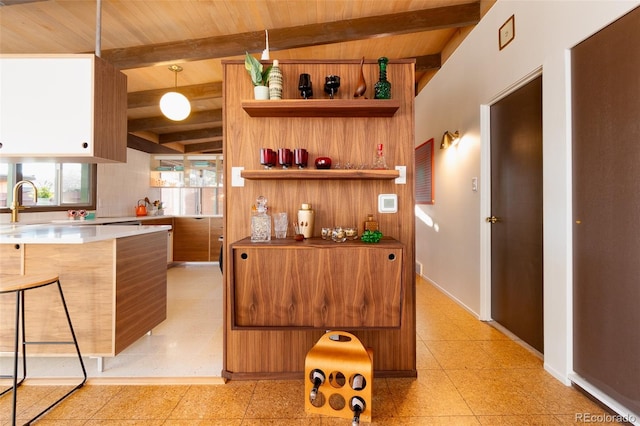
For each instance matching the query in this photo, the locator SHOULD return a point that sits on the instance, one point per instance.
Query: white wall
(454, 250)
(121, 185)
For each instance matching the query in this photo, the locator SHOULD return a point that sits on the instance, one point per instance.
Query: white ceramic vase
(261, 93)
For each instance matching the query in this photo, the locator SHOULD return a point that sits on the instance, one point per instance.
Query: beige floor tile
(142, 403)
(456, 355)
(31, 400)
(431, 394)
(541, 420)
(84, 403)
(278, 399)
(120, 422)
(495, 392)
(227, 401)
(439, 329)
(510, 354)
(555, 396)
(427, 421)
(207, 422)
(424, 358)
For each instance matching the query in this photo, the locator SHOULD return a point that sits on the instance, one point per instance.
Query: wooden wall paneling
(255, 353)
(11, 259)
(79, 267)
(141, 289)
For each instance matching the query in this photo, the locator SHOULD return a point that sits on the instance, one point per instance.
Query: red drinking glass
(267, 157)
(301, 157)
(285, 157)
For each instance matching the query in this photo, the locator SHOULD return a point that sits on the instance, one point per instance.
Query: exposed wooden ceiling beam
(295, 37)
(15, 2)
(144, 145)
(193, 92)
(214, 147)
(428, 62)
(200, 135)
(212, 117)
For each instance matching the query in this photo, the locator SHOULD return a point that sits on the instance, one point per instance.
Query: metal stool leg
(21, 335)
(75, 342)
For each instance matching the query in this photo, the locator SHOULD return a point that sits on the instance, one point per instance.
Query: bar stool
(19, 284)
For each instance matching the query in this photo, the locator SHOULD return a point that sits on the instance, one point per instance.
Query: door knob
(492, 219)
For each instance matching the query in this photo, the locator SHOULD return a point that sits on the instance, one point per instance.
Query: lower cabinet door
(191, 239)
(324, 286)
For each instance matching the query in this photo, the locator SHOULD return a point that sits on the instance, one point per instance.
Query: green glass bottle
(382, 89)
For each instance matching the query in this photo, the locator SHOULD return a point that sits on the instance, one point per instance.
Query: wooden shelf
(322, 108)
(319, 174)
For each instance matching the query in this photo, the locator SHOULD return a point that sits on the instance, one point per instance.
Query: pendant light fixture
(175, 106)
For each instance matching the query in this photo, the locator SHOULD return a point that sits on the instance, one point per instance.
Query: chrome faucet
(15, 204)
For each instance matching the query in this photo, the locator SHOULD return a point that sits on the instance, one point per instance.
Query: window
(60, 185)
(424, 173)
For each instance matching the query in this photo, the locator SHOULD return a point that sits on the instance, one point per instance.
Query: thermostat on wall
(387, 203)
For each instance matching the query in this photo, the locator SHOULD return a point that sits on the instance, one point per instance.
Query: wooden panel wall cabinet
(191, 239)
(216, 230)
(346, 130)
(313, 286)
(72, 108)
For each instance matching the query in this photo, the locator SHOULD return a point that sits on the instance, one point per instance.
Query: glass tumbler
(280, 223)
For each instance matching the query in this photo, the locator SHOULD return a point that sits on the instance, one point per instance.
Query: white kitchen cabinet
(70, 108)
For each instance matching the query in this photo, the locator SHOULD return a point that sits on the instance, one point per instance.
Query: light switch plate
(236, 179)
(402, 179)
(388, 203)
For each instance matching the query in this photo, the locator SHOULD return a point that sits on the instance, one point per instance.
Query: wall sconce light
(449, 139)
(175, 106)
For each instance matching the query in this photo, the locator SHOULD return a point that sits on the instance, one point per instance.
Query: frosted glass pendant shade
(175, 106)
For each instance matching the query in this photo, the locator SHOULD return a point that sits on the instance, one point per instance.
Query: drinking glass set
(340, 234)
(285, 157)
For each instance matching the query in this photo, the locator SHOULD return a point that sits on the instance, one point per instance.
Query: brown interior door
(606, 210)
(516, 205)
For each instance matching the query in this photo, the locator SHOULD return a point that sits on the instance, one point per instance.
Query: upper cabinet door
(62, 107)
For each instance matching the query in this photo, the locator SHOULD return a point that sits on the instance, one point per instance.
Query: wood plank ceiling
(144, 37)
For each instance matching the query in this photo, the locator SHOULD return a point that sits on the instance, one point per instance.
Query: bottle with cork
(370, 224)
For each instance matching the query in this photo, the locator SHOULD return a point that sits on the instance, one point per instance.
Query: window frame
(91, 205)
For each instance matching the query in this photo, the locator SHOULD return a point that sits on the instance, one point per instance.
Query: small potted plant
(259, 76)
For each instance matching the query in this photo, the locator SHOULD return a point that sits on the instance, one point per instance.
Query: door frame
(485, 191)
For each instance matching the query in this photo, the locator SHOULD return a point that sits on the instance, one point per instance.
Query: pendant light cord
(98, 26)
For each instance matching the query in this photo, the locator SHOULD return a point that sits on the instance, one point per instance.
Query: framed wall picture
(507, 32)
(424, 173)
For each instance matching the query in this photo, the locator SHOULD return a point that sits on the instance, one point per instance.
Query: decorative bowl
(323, 163)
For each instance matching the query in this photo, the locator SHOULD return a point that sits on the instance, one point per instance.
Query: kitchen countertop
(65, 234)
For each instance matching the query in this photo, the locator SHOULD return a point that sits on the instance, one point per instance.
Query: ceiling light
(449, 139)
(175, 106)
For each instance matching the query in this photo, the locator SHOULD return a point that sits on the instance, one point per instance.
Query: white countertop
(65, 234)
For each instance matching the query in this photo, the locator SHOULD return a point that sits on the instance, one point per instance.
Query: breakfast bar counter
(114, 279)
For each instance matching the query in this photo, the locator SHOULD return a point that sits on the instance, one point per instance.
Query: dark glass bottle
(318, 378)
(357, 405)
(382, 89)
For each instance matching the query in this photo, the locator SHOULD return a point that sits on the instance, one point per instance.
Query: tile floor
(469, 373)
(187, 344)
